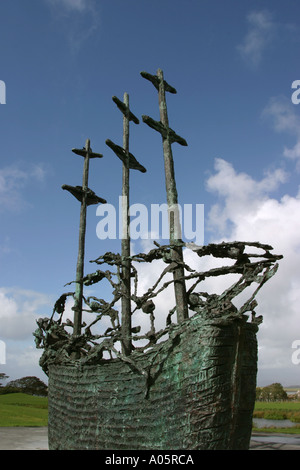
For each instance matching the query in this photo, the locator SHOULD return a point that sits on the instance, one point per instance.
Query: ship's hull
(194, 391)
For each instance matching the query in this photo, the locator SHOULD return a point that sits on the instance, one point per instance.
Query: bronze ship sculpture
(190, 385)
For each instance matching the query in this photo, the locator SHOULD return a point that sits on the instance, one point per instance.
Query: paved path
(266, 441)
(23, 438)
(37, 439)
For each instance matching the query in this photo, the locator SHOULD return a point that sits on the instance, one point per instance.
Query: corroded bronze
(168, 137)
(87, 197)
(129, 162)
(188, 385)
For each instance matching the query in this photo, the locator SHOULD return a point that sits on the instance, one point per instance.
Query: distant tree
(277, 392)
(258, 393)
(4, 389)
(30, 385)
(3, 377)
(273, 392)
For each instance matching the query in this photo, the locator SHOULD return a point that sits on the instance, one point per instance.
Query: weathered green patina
(189, 385)
(129, 162)
(168, 137)
(192, 386)
(198, 393)
(87, 197)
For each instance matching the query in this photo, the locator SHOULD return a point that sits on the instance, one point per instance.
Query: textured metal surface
(129, 162)
(195, 390)
(169, 137)
(199, 393)
(87, 197)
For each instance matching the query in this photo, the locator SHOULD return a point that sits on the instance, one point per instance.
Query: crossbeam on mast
(87, 197)
(169, 137)
(129, 163)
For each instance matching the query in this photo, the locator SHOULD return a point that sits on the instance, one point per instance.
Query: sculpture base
(196, 390)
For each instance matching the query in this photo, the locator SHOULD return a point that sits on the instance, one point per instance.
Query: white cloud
(80, 20)
(19, 309)
(13, 179)
(283, 114)
(249, 213)
(243, 195)
(76, 5)
(22, 360)
(284, 117)
(259, 36)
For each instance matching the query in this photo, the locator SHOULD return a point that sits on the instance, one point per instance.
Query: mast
(129, 162)
(168, 137)
(87, 197)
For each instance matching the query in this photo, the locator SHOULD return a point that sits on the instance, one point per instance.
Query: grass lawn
(278, 410)
(19, 409)
(277, 405)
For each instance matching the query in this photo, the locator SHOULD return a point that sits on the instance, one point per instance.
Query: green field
(19, 409)
(279, 410)
(278, 405)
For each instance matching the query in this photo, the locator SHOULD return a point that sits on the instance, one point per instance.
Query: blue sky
(232, 63)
